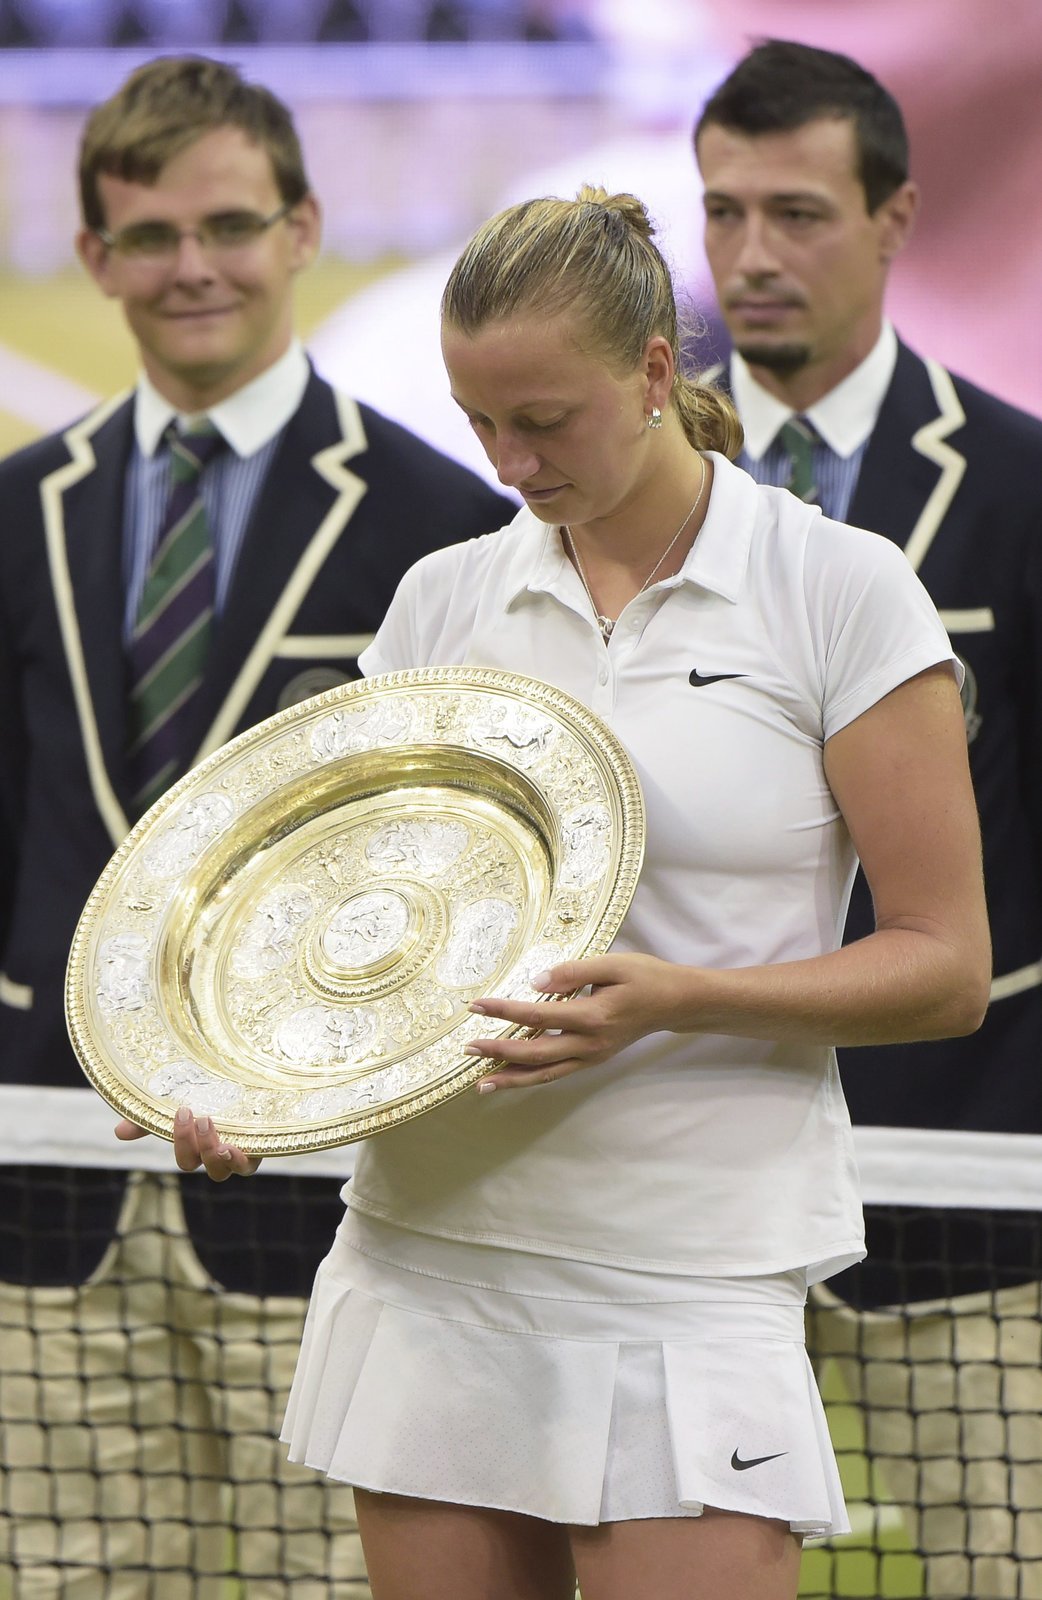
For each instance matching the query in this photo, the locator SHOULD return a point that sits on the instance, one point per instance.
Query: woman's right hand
(198, 1144)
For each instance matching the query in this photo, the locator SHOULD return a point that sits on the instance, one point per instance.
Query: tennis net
(140, 1409)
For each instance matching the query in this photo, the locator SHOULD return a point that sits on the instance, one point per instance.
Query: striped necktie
(797, 438)
(171, 638)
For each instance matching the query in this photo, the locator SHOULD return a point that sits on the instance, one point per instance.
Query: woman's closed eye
(534, 425)
(523, 424)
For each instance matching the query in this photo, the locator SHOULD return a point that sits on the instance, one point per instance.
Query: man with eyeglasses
(175, 566)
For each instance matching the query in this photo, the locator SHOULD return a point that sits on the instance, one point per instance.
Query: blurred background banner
(421, 117)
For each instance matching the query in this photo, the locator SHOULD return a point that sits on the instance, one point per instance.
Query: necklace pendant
(606, 626)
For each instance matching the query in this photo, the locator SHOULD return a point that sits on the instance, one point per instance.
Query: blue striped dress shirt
(836, 476)
(843, 420)
(252, 422)
(229, 489)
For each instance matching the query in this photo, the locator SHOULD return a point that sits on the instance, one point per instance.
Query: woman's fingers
(530, 1077)
(569, 976)
(520, 1063)
(125, 1129)
(545, 1051)
(186, 1140)
(197, 1143)
(228, 1161)
(523, 1013)
(605, 1004)
(556, 1051)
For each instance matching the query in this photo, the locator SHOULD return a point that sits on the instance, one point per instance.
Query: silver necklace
(607, 624)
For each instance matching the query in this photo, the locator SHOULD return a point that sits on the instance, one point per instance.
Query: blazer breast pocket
(313, 663)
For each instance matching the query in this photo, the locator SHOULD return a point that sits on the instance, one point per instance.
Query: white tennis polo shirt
(693, 1153)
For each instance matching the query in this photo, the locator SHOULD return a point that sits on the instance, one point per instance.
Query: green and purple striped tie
(171, 638)
(797, 438)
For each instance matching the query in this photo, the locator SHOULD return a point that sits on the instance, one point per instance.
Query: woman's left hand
(630, 996)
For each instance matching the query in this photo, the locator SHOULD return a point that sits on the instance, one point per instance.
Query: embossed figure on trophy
(123, 979)
(355, 728)
(586, 837)
(491, 871)
(366, 930)
(477, 942)
(428, 848)
(269, 938)
(520, 727)
(320, 1035)
(191, 828)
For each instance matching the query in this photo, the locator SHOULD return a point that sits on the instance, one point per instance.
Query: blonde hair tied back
(632, 212)
(595, 255)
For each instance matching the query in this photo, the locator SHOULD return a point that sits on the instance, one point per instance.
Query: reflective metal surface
(289, 940)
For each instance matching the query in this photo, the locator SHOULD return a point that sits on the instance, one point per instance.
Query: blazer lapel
(911, 471)
(82, 504)
(305, 504)
(718, 376)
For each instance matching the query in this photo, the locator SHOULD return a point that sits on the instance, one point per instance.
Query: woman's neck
(616, 563)
(634, 538)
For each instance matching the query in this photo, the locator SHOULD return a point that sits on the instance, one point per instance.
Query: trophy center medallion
(367, 932)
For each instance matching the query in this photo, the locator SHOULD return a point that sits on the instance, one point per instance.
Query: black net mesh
(148, 1331)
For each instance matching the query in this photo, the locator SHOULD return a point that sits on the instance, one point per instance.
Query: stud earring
(655, 418)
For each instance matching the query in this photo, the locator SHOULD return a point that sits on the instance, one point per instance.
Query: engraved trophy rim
(289, 939)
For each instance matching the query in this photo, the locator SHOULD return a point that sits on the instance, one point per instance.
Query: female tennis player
(560, 1331)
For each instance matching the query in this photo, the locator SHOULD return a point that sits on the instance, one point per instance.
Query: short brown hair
(167, 105)
(595, 253)
(781, 85)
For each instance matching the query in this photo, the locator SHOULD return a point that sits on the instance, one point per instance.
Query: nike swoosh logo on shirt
(757, 1461)
(700, 682)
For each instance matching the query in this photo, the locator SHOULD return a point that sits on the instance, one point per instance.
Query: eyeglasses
(224, 232)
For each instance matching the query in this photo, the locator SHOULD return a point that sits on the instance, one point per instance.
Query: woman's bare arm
(900, 776)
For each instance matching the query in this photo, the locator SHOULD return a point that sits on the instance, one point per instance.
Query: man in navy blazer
(804, 161)
(144, 1423)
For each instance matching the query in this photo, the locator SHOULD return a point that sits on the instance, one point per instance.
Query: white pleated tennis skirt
(564, 1390)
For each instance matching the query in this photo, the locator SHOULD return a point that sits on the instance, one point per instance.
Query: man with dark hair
(781, 86)
(804, 162)
(175, 566)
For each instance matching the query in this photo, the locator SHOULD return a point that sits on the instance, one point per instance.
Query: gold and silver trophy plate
(290, 939)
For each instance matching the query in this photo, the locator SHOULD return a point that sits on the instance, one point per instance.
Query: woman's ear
(659, 370)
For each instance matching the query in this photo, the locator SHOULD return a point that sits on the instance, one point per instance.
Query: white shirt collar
(720, 554)
(717, 560)
(247, 419)
(538, 559)
(844, 417)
